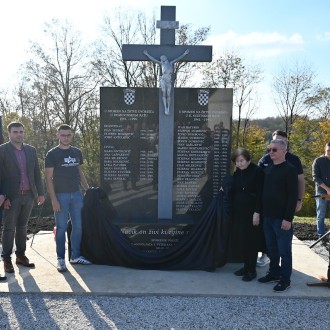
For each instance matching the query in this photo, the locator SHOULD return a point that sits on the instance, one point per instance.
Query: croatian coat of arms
(203, 96)
(129, 96)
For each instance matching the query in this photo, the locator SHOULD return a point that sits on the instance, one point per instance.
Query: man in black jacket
(293, 160)
(279, 202)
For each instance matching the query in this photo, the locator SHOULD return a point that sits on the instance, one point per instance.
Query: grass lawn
(310, 220)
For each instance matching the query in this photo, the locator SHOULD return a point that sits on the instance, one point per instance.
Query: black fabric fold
(205, 248)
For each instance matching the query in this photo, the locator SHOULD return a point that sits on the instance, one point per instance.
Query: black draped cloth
(205, 248)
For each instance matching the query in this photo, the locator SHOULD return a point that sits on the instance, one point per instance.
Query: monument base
(203, 246)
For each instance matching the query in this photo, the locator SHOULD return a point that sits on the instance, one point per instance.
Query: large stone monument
(164, 151)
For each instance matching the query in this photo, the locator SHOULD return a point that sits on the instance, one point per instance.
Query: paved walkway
(119, 281)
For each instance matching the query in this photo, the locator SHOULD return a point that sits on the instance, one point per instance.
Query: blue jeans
(71, 205)
(279, 248)
(321, 211)
(14, 224)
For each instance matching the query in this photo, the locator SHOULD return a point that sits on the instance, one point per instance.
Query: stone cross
(172, 52)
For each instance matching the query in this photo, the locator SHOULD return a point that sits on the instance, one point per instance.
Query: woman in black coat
(247, 230)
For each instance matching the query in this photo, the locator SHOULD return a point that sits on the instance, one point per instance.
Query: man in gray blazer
(22, 185)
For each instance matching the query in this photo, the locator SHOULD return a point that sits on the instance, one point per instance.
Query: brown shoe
(24, 261)
(8, 266)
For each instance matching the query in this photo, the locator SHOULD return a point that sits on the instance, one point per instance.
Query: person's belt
(24, 192)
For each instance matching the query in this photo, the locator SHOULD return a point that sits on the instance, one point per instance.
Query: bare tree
(184, 72)
(321, 103)
(61, 73)
(135, 28)
(224, 71)
(246, 98)
(107, 57)
(291, 88)
(230, 71)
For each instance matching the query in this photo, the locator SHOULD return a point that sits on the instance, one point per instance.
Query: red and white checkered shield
(129, 96)
(203, 96)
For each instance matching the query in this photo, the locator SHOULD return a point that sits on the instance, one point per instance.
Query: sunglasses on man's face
(272, 149)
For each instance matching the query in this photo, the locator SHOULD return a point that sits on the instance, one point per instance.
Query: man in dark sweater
(279, 202)
(293, 160)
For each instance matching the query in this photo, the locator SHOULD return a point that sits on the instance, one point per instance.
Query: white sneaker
(61, 267)
(80, 261)
(263, 261)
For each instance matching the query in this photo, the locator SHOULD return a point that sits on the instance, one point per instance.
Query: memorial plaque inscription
(202, 148)
(129, 152)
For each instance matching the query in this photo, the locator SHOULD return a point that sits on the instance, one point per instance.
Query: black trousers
(250, 245)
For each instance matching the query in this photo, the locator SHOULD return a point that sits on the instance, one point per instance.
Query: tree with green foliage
(307, 140)
(254, 141)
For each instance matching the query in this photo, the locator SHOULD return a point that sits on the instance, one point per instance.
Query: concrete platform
(119, 281)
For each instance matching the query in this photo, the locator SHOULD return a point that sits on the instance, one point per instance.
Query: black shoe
(3, 278)
(269, 278)
(281, 286)
(240, 272)
(249, 277)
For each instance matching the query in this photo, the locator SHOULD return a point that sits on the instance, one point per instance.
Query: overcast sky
(271, 33)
